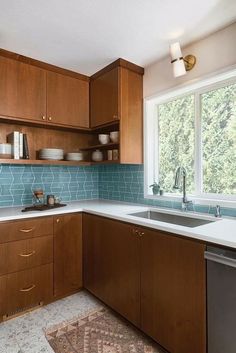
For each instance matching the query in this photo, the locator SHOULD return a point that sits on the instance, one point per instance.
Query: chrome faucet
(181, 171)
(218, 211)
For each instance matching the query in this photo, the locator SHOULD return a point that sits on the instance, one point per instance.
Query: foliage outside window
(196, 130)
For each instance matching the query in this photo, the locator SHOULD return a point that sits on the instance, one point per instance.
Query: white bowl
(104, 139)
(114, 135)
(5, 150)
(74, 156)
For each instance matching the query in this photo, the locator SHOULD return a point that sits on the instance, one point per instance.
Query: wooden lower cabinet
(111, 264)
(23, 254)
(154, 279)
(24, 289)
(67, 254)
(173, 305)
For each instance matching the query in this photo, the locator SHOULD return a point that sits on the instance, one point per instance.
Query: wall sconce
(180, 64)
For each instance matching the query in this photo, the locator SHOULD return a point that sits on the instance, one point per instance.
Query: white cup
(103, 138)
(114, 135)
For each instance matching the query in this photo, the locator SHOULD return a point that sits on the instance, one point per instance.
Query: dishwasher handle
(224, 260)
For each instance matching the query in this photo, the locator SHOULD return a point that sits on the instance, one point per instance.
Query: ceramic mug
(104, 139)
(114, 135)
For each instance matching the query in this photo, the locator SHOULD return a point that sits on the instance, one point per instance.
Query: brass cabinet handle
(28, 289)
(137, 232)
(115, 117)
(50, 118)
(26, 230)
(44, 117)
(27, 255)
(58, 220)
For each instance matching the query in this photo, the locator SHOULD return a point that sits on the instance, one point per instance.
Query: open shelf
(106, 162)
(51, 162)
(42, 162)
(101, 147)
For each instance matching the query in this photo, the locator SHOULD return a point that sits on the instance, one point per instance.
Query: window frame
(196, 87)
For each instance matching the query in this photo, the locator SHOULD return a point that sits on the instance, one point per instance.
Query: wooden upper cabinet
(67, 254)
(116, 94)
(22, 90)
(67, 100)
(131, 112)
(104, 98)
(173, 293)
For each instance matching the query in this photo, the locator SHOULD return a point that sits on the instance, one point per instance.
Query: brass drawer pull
(27, 255)
(28, 289)
(26, 230)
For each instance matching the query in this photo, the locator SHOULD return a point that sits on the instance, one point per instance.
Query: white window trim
(151, 130)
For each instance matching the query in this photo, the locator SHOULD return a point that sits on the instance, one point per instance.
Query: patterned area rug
(100, 331)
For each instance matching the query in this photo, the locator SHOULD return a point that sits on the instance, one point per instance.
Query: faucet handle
(218, 211)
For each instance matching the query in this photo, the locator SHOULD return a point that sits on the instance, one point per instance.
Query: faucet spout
(181, 171)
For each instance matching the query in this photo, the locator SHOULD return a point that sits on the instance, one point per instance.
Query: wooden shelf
(42, 162)
(47, 162)
(101, 147)
(106, 162)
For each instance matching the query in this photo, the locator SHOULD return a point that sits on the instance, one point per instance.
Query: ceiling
(86, 35)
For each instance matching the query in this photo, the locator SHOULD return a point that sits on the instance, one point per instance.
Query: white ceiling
(86, 35)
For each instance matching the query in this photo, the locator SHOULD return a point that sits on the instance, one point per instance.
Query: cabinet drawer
(24, 254)
(24, 289)
(25, 229)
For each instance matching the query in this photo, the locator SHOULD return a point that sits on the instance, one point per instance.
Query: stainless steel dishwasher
(221, 300)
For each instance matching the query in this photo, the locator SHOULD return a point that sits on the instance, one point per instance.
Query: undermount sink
(172, 218)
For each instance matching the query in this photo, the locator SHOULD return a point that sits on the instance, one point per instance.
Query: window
(194, 127)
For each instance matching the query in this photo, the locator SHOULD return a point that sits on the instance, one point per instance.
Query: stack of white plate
(51, 154)
(74, 156)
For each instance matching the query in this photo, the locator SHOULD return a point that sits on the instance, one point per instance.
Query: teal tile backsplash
(111, 182)
(69, 183)
(125, 183)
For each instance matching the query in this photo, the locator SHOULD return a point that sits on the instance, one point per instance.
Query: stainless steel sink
(172, 218)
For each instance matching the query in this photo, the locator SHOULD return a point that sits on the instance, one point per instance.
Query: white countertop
(221, 232)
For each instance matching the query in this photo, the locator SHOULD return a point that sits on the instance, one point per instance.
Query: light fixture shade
(179, 68)
(177, 60)
(175, 51)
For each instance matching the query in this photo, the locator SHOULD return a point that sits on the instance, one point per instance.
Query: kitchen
(117, 177)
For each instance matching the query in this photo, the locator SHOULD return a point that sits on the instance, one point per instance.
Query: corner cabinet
(116, 96)
(104, 98)
(111, 264)
(154, 279)
(67, 254)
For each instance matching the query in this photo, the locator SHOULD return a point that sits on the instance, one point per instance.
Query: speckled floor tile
(25, 334)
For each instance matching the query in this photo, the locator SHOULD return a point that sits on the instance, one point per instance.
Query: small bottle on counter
(50, 200)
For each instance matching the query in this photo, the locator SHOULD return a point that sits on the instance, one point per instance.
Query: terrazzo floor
(25, 334)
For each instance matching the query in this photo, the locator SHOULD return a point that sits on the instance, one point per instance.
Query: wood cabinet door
(104, 91)
(22, 90)
(173, 308)
(67, 100)
(131, 122)
(24, 289)
(112, 264)
(67, 254)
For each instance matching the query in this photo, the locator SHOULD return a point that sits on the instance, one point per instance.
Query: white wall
(213, 53)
